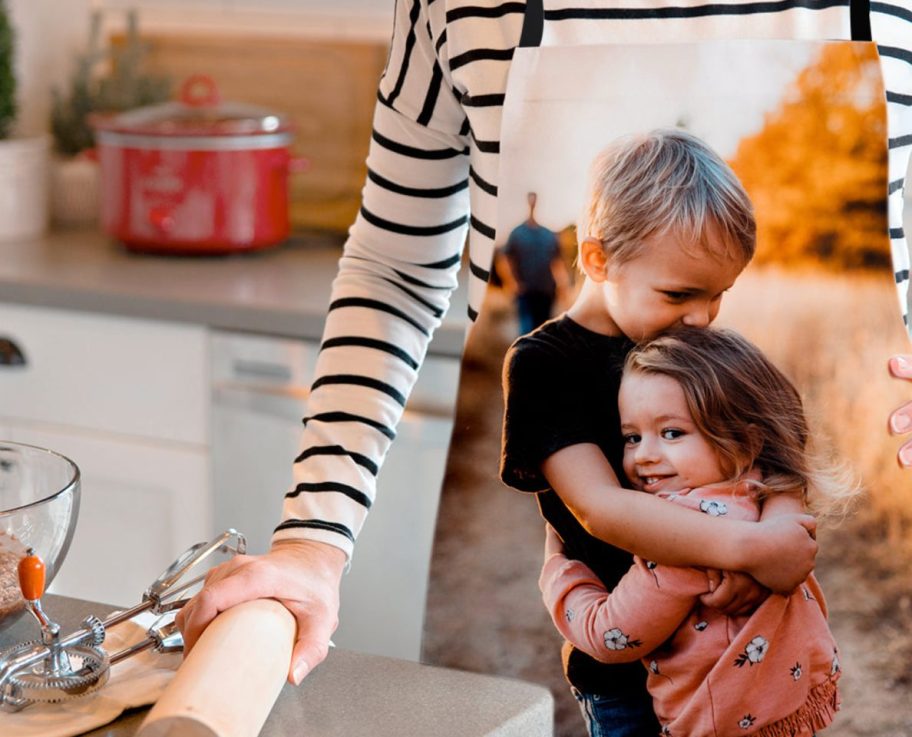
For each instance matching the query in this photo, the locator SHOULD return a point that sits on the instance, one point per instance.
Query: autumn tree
(817, 171)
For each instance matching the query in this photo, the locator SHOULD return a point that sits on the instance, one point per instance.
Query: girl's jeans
(629, 715)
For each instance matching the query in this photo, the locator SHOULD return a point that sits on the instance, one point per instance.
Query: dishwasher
(260, 386)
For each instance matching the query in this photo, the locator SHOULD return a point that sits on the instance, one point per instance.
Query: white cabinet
(127, 401)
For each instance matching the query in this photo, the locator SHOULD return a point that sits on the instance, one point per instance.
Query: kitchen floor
(484, 611)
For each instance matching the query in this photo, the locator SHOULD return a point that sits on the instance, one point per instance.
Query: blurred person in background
(533, 270)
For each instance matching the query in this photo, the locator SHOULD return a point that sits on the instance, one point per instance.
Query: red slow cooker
(196, 176)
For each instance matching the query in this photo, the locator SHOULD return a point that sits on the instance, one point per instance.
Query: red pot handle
(199, 90)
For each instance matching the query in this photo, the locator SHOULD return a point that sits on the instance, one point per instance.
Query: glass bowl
(39, 503)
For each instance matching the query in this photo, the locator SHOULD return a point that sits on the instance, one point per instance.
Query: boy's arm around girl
(668, 534)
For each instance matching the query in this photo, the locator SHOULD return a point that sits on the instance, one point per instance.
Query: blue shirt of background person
(536, 270)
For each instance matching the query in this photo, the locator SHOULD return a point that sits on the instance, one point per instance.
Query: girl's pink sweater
(772, 673)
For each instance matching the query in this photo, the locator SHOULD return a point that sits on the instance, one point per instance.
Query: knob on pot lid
(199, 111)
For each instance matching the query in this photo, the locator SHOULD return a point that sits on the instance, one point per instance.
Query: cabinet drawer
(121, 375)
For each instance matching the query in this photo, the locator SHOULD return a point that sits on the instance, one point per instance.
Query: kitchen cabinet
(125, 376)
(126, 399)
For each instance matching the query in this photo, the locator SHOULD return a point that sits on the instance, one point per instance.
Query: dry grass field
(484, 612)
(832, 334)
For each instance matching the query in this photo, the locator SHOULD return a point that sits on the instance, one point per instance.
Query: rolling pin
(229, 682)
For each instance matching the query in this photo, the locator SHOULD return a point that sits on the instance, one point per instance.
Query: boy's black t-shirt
(560, 389)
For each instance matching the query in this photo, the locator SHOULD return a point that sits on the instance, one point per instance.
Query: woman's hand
(901, 420)
(302, 575)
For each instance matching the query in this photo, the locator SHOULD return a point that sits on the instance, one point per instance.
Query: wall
(49, 33)
(364, 19)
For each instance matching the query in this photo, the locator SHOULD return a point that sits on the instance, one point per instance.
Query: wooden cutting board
(328, 89)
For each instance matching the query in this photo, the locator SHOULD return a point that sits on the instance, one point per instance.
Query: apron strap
(860, 19)
(534, 23)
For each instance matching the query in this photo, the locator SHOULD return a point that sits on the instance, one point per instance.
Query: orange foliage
(817, 171)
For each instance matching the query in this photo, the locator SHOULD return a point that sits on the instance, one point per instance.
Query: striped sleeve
(891, 25)
(395, 278)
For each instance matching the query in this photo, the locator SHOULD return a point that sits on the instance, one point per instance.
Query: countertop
(282, 291)
(356, 694)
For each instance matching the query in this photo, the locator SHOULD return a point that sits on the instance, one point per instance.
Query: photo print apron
(822, 152)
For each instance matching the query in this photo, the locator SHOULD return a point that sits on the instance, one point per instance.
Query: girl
(711, 424)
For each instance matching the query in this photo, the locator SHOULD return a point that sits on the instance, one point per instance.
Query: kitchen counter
(356, 694)
(283, 291)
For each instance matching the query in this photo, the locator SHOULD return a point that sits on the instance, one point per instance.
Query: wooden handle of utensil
(229, 682)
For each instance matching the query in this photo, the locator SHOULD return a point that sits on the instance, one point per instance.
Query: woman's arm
(629, 622)
(779, 552)
(395, 277)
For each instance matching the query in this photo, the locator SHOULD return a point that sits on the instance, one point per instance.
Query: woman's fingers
(900, 420)
(904, 455)
(901, 366)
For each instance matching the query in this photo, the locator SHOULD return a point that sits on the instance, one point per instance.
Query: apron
(820, 300)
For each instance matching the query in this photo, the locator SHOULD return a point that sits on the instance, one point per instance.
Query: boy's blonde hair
(748, 411)
(663, 181)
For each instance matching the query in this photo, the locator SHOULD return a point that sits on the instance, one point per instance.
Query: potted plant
(23, 159)
(105, 80)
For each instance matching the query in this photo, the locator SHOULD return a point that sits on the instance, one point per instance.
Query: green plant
(106, 80)
(7, 75)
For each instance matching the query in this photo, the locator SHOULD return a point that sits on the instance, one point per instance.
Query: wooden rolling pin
(229, 682)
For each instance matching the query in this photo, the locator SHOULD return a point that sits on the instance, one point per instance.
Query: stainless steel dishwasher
(259, 391)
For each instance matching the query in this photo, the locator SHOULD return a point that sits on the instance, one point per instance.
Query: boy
(666, 231)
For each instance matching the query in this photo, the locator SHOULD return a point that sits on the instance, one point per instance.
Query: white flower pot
(23, 187)
(74, 191)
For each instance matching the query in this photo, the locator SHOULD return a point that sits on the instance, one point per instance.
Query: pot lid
(198, 112)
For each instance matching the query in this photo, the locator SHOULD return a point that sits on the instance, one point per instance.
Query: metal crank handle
(164, 639)
(20, 682)
(164, 586)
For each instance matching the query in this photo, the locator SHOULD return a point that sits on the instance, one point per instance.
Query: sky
(566, 104)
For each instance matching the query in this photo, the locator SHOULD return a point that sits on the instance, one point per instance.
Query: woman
(435, 143)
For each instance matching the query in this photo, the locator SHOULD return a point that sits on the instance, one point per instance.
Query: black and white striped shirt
(433, 176)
